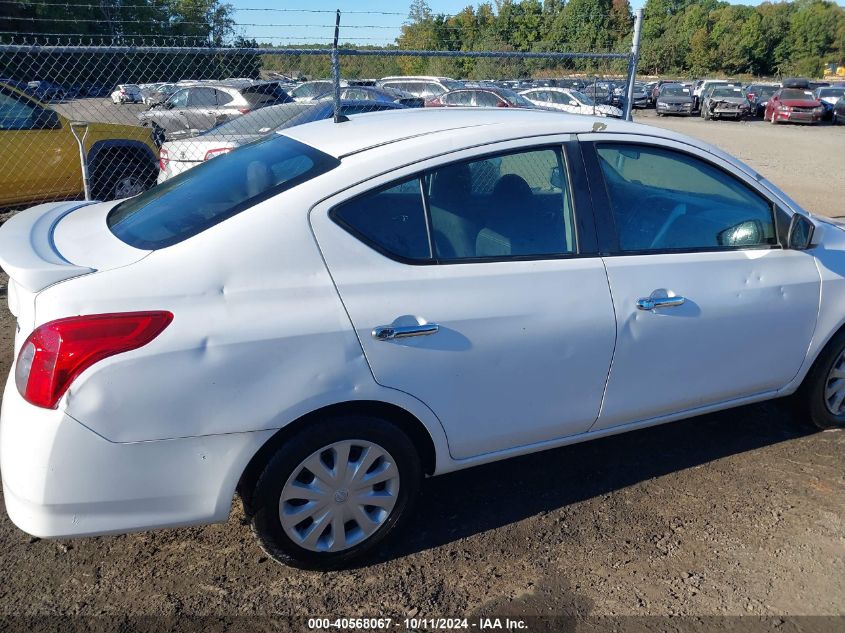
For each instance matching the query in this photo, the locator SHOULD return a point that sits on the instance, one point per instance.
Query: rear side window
(216, 190)
(389, 219)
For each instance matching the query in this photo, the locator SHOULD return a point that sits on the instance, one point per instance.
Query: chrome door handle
(652, 303)
(390, 332)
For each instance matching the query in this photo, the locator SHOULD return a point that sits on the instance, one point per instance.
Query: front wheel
(331, 493)
(822, 393)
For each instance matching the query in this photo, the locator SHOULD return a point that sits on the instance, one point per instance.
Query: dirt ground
(737, 513)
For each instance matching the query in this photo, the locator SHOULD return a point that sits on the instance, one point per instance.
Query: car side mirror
(748, 233)
(46, 120)
(800, 235)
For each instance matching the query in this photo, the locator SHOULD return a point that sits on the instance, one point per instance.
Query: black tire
(706, 115)
(121, 179)
(810, 396)
(266, 493)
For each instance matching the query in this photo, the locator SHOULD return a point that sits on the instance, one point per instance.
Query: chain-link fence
(109, 121)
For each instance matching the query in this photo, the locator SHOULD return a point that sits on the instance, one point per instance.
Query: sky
(373, 22)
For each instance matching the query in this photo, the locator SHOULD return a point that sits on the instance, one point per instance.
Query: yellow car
(39, 156)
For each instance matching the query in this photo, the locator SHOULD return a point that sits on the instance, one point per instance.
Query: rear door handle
(390, 332)
(652, 303)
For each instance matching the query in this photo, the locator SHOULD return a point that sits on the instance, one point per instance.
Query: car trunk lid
(53, 242)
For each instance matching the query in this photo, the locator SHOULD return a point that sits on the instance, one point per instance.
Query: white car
(568, 100)
(127, 93)
(323, 317)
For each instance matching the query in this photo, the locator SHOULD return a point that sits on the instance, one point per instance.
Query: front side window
(214, 191)
(179, 99)
(514, 205)
(486, 99)
(665, 200)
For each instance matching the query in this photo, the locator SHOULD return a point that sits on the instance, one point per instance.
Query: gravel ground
(734, 513)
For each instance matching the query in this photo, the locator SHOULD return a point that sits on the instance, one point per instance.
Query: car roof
(459, 127)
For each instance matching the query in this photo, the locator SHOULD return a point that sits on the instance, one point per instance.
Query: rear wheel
(121, 179)
(822, 393)
(334, 491)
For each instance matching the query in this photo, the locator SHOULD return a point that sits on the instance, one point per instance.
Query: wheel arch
(128, 148)
(405, 420)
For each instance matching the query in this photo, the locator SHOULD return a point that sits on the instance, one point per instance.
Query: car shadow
(469, 502)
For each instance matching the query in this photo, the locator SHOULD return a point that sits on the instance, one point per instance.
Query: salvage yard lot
(733, 513)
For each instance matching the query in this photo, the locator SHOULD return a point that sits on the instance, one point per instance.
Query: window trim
(608, 233)
(433, 260)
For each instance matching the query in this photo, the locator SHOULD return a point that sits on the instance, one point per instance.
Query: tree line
(689, 37)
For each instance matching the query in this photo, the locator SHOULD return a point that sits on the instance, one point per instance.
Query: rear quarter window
(218, 189)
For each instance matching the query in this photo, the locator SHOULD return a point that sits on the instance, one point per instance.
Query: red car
(794, 105)
(482, 98)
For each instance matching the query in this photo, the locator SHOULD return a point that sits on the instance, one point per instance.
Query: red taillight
(163, 159)
(216, 152)
(57, 352)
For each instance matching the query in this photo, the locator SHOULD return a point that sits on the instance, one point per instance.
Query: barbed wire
(243, 9)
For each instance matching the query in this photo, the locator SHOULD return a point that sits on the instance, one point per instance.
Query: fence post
(632, 64)
(336, 68)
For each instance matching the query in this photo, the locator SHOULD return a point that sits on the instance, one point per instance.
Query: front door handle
(390, 332)
(652, 303)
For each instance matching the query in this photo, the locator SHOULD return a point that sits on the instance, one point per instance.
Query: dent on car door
(710, 307)
(475, 287)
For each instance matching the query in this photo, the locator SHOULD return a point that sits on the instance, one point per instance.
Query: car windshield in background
(765, 91)
(261, 121)
(215, 191)
(452, 85)
(726, 92)
(265, 94)
(514, 99)
(675, 91)
(581, 97)
(831, 92)
(803, 95)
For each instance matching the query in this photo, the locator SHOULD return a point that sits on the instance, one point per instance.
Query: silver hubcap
(834, 389)
(339, 496)
(127, 187)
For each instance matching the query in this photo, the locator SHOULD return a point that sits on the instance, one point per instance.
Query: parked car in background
(674, 99)
(828, 96)
(641, 96)
(381, 95)
(158, 93)
(421, 86)
(725, 102)
(481, 98)
(127, 93)
(46, 91)
(39, 156)
(200, 107)
(838, 114)
(701, 89)
(181, 155)
(311, 90)
(657, 85)
(320, 319)
(571, 101)
(758, 96)
(793, 105)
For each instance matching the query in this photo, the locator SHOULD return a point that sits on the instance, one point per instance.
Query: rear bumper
(62, 480)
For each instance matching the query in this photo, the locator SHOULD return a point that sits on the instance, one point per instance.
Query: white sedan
(568, 100)
(320, 319)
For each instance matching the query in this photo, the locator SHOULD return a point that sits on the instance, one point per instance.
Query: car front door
(710, 307)
(39, 158)
(201, 112)
(473, 284)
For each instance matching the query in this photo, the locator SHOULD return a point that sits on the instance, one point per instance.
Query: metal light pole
(632, 63)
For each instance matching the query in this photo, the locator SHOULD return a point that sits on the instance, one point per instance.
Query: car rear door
(710, 307)
(473, 284)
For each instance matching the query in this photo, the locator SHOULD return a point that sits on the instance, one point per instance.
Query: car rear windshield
(265, 94)
(261, 121)
(803, 95)
(214, 191)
